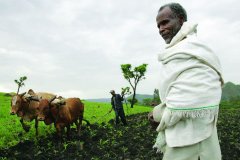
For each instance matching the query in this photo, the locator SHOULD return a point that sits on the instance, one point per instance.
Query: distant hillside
(230, 90)
(139, 97)
(99, 100)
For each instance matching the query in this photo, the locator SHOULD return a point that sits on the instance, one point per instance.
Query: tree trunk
(18, 89)
(133, 98)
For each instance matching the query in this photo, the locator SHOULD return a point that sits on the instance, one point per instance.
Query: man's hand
(153, 123)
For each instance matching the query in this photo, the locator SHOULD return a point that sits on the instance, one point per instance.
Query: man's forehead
(166, 12)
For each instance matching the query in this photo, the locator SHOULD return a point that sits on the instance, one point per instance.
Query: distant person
(190, 91)
(117, 106)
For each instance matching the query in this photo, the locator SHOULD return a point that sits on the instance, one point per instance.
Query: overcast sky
(75, 48)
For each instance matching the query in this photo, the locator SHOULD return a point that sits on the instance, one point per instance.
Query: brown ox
(24, 107)
(63, 112)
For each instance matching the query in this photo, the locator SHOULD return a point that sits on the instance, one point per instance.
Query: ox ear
(52, 99)
(22, 94)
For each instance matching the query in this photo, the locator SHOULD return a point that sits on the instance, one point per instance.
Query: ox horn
(22, 94)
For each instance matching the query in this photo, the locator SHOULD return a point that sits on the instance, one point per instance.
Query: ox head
(20, 101)
(17, 104)
(44, 107)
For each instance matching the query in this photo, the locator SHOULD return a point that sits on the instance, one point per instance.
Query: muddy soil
(105, 141)
(110, 142)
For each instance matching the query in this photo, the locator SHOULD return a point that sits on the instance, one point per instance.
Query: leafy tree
(20, 82)
(152, 101)
(156, 98)
(125, 91)
(133, 76)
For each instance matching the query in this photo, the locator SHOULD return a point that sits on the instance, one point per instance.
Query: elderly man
(190, 91)
(116, 102)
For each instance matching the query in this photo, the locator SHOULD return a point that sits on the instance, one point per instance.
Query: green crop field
(101, 140)
(11, 131)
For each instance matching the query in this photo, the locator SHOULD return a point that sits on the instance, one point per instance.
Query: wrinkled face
(43, 109)
(168, 24)
(16, 105)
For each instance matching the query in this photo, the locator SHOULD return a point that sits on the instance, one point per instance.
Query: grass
(11, 131)
(98, 112)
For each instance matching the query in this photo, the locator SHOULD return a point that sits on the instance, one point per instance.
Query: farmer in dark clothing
(116, 102)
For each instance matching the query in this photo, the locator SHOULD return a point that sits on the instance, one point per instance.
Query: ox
(64, 112)
(24, 107)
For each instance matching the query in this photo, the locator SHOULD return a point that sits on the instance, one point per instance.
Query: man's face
(168, 24)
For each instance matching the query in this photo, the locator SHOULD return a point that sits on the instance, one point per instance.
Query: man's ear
(181, 20)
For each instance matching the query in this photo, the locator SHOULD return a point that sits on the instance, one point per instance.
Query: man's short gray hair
(177, 9)
(112, 91)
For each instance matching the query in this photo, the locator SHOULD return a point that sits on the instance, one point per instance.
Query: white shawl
(190, 84)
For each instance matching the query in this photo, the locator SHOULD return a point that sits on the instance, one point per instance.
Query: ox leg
(36, 126)
(25, 127)
(68, 131)
(59, 131)
(76, 123)
(80, 124)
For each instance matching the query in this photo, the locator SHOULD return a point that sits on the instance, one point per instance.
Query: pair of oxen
(48, 108)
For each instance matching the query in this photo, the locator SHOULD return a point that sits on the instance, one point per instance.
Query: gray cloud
(75, 48)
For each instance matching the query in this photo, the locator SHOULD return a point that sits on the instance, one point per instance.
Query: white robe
(190, 90)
